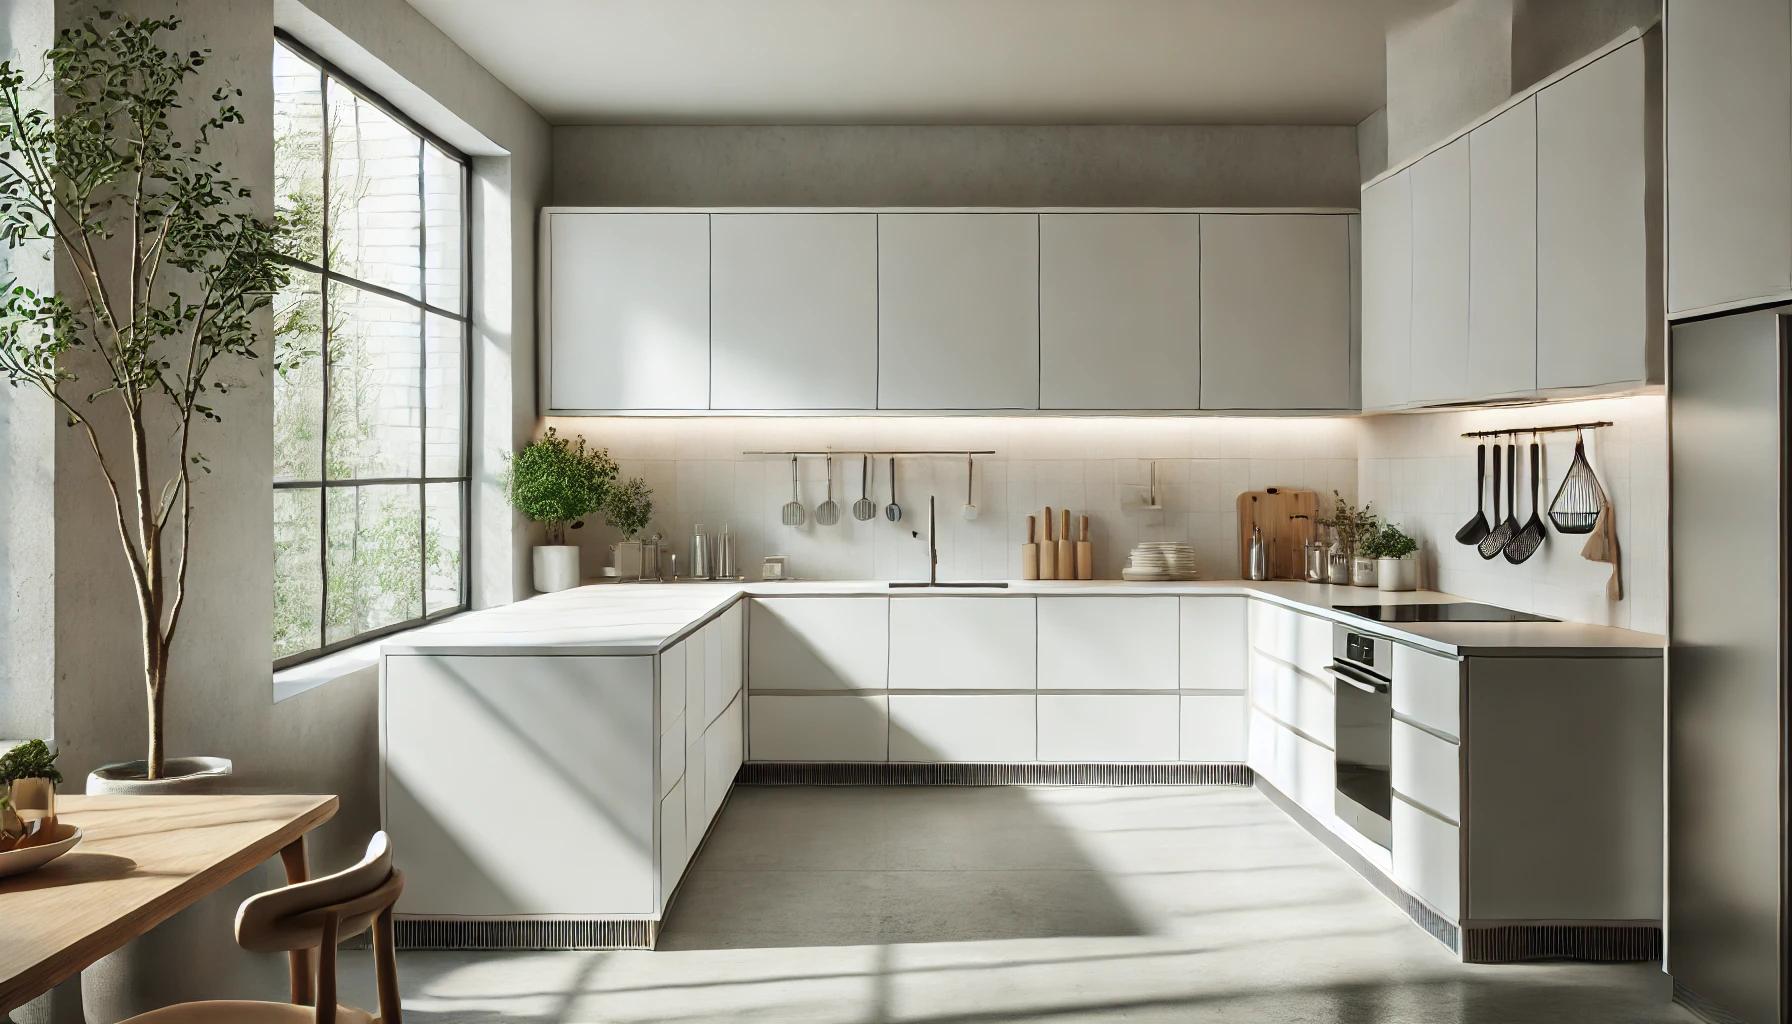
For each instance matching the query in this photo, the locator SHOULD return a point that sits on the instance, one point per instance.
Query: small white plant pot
(1399, 573)
(556, 567)
(1362, 572)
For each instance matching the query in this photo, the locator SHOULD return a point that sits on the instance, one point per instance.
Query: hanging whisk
(1580, 499)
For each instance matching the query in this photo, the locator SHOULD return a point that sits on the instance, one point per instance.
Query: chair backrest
(324, 910)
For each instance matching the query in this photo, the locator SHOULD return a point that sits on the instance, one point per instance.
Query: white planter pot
(556, 567)
(1399, 573)
(193, 955)
(1362, 572)
(628, 559)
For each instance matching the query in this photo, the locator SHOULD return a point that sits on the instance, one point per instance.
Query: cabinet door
(1119, 311)
(696, 688)
(675, 849)
(1729, 142)
(1213, 727)
(795, 311)
(819, 727)
(1428, 858)
(1213, 643)
(961, 727)
(962, 643)
(819, 643)
(627, 304)
(1597, 314)
(1502, 288)
(721, 758)
(1387, 291)
(1100, 727)
(958, 311)
(1108, 643)
(1440, 223)
(1275, 311)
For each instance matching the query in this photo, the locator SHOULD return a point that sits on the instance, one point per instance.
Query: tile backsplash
(1094, 466)
(1420, 473)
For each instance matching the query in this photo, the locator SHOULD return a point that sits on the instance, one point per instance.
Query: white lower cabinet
(819, 643)
(672, 756)
(696, 779)
(1293, 697)
(1108, 643)
(1304, 641)
(962, 727)
(1428, 858)
(1300, 769)
(722, 750)
(696, 687)
(1428, 688)
(819, 727)
(962, 643)
(1427, 769)
(1213, 728)
(1212, 643)
(1102, 727)
(675, 849)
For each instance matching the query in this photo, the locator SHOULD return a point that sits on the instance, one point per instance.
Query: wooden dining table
(141, 860)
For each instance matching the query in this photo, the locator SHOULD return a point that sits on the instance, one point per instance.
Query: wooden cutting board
(1276, 510)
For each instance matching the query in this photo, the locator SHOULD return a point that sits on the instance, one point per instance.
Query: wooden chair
(297, 919)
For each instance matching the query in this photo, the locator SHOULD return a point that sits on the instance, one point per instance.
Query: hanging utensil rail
(1515, 431)
(869, 451)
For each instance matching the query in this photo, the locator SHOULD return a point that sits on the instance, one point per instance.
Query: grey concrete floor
(1067, 905)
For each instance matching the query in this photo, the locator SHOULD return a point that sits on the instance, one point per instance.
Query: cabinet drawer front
(696, 687)
(733, 625)
(1213, 643)
(1303, 641)
(826, 727)
(1108, 643)
(961, 728)
(671, 758)
(1302, 770)
(1296, 698)
(695, 821)
(671, 686)
(675, 850)
(1428, 770)
(1428, 688)
(1126, 727)
(962, 643)
(819, 643)
(721, 758)
(1428, 859)
(1213, 728)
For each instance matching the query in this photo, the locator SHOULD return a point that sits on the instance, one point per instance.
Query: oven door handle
(1362, 681)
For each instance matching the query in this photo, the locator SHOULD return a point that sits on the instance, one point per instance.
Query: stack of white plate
(1160, 560)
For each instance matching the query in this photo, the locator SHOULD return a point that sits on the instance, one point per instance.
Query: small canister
(699, 568)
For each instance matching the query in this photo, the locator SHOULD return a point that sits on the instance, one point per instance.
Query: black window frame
(328, 71)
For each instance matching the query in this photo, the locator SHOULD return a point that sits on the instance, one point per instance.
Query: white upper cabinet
(1502, 291)
(1276, 311)
(1119, 311)
(1729, 143)
(1387, 291)
(794, 311)
(958, 310)
(1599, 312)
(1439, 329)
(626, 310)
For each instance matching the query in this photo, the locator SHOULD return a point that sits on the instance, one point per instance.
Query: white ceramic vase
(193, 955)
(629, 562)
(1399, 573)
(556, 567)
(1362, 572)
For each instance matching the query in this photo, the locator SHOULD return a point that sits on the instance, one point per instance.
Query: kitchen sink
(1000, 584)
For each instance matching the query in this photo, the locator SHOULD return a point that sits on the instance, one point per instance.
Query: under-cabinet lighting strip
(1560, 428)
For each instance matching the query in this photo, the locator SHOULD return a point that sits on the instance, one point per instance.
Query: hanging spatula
(1476, 528)
(864, 508)
(828, 512)
(1495, 541)
(1527, 540)
(793, 513)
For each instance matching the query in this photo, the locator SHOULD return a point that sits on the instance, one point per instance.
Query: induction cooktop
(1454, 611)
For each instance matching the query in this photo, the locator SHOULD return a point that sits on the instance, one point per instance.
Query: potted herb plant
(628, 508)
(558, 482)
(30, 777)
(1395, 554)
(1351, 527)
(170, 271)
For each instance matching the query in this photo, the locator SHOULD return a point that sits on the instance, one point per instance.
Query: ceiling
(934, 61)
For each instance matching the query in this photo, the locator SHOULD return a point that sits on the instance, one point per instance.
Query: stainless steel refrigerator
(1727, 707)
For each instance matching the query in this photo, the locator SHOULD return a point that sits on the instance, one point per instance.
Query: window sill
(298, 679)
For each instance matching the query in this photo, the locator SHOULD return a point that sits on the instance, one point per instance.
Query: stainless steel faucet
(933, 559)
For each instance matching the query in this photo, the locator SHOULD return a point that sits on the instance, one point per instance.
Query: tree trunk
(157, 760)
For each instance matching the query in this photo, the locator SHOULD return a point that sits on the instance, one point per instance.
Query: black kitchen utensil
(1496, 538)
(1580, 499)
(1526, 541)
(1476, 528)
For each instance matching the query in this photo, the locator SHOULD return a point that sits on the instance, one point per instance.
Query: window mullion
(323, 439)
(423, 379)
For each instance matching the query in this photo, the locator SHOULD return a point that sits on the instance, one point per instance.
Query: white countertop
(644, 618)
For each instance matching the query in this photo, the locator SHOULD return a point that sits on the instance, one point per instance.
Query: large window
(371, 386)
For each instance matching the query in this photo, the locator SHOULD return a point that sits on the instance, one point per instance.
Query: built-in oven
(1362, 672)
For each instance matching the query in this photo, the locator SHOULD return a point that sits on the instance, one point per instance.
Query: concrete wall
(934, 165)
(220, 699)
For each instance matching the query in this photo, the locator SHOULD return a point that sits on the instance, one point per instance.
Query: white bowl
(17, 862)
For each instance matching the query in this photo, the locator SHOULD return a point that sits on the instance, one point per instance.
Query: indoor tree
(167, 271)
